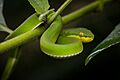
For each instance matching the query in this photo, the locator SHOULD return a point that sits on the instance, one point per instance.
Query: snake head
(86, 35)
(83, 34)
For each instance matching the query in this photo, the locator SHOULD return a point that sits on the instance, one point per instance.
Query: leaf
(112, 39)
(40, 6)
(5, 29)
(2, 21)
(3, 26)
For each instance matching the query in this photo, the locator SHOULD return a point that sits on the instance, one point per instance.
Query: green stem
(59, 11)
(11, 62)
(14, 57)
(19, 40)
(80, 12)
(11, 43)
(101, 5)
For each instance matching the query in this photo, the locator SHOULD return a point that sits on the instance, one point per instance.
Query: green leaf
(112, 39)
(40, 6)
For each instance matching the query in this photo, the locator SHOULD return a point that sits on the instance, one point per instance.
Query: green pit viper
(53, 41)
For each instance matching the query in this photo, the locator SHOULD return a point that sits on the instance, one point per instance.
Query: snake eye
(81, 34)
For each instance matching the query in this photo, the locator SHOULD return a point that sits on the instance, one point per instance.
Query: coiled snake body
(55, 42)
(68, 43)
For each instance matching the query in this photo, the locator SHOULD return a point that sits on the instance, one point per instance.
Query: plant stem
(14, 57)
(59, 11)
(11, 62)
(19, 40)
(11, 43)
(80, 12)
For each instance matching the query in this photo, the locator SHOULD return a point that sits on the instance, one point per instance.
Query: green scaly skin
(68, 46)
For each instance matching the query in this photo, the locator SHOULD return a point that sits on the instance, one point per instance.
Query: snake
(54, 41)
(57, 43)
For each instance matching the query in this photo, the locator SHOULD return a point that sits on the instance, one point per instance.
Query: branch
(80, 12)
(21, 39)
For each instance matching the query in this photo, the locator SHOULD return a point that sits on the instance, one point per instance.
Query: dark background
(35, 65)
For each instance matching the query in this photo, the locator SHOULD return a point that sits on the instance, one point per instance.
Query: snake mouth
(86, 39)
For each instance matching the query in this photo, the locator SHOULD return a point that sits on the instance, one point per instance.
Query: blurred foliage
(112, 39)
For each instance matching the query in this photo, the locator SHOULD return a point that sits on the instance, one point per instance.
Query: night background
(35, 65)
